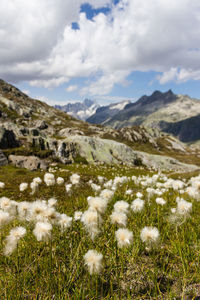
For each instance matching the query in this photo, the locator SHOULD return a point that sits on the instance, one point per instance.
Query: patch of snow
(120, 105)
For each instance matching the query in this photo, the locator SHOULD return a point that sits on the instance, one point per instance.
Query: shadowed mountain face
(187, 130)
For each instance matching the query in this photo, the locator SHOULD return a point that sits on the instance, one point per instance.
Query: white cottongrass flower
(5, 203)
(100, 179)
(93, 261)
(75, 178)
(49, 215)
(36, 211)
(42, 231)
(2, 185)
(137, 205)
(13, 238)
(5, 218)
(129, 192)
(68, 187)
(23, 209)
(160, 201)
(8, 205)
(23, 186)
(184, 207)
(60, 180)
(149, 235)
(96, 187)
(107, 194)
(34, 187)
(121, 207)
(173, 210)
(49, 179)
(64, 222)
(52, 202)
(124, 237)
(139, 195)
(38, 180)
(97, 203)
(91, 220)
(118, 218)
(77, 215)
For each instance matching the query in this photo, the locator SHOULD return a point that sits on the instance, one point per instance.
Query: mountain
(105, 113)
(160, 110)
(34, 134)
(80, 110)
(187, 130)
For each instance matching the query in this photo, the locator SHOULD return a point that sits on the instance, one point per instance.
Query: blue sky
(104, 50)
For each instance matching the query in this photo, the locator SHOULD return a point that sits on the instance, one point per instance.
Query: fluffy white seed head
(91, 220)
(137, 205)
(77, 215)
(68, 187)
(107, 194)
(42, 231)
(184, 207)
(60, 180)
(139, 195)
(149, 235)
(124, 237)
(5, 218)
(121, 207)
(23, 209)
(118, 218)
(52, 202)
(64, 222)
(96, 187)
(129, 192)
(93, 261)
(75, 178)
(36, 211)
(49, 179)
(2, 185)
(97, 203)
(34, 187)
(23, 186)
(38, 180)
(160, 201)
(13, 238)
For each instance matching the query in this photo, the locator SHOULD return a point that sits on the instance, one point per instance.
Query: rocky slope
(29, 127)
(160, 110)
(80, 110)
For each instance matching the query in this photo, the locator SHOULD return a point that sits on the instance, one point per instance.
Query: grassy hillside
(55, 269)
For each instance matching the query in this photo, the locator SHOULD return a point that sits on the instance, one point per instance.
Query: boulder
(3, 159)
(41, 125)
(8, 139)
(28, 162)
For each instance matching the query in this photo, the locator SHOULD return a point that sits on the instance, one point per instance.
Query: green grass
(55, 270)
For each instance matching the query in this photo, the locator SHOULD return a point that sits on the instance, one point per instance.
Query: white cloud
(39, 45)
(71, 88)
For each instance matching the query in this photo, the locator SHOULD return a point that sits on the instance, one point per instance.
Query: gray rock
(65, 151)
(28, 162)
(8, 139)
(3, 159)
(41, 125)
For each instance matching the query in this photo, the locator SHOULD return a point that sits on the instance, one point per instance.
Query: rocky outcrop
(97, 150)
(8, 139)
(28, 162)
(3, 159)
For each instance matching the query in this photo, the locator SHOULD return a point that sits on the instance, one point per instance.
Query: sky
(107, 50)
